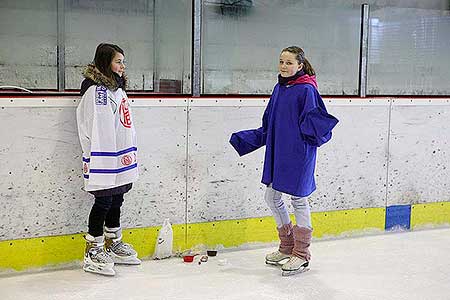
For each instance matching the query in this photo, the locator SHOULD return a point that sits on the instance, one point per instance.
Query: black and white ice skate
(295, 265)
(120, 252)
(96, 260)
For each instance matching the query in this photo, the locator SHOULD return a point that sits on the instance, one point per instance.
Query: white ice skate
(121, 253)
(294, 266)
(96, 260)
(277, 258)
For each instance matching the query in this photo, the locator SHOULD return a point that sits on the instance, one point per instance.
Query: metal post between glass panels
(364, 50)
(196, 48)
(61, 63)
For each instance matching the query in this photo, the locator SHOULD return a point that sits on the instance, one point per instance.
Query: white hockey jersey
(108, 139)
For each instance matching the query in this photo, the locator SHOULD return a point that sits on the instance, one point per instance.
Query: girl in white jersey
(108, 140)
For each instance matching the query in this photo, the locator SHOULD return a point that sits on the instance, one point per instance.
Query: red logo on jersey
(125, 117)
(126, 160)
(85, 168)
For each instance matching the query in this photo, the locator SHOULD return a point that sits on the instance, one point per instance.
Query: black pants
(105, 211)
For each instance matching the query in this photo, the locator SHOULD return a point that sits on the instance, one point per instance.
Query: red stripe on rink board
(59, 96)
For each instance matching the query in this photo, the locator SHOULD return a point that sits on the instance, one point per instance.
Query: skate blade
(93, 269)
(290, 273)
(126, 260)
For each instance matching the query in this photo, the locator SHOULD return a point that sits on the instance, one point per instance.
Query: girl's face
(288, 64)
(117, 64)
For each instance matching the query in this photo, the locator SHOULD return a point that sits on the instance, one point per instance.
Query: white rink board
(40, 173)
(41, 176)
(419, 164)
(351, 168)
(40, 168)
(221, 184)
(161, 190)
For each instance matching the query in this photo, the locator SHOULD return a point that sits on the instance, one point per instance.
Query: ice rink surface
(401, 265)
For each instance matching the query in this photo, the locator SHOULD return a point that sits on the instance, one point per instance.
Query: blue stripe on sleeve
(113, 171)
(114, 153)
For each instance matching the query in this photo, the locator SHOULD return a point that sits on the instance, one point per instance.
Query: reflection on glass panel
(28, 39)
(153, 33)
(173, 46)
(409, 48)
(128, 24)
(242, 41)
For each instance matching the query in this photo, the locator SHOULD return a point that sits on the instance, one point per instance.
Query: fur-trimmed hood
(94, 76)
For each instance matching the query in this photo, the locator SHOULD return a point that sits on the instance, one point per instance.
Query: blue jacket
(294, 124)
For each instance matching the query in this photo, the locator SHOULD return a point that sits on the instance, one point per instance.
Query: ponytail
(300, 56)
(307, 68)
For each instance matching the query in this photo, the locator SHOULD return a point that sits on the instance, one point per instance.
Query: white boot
(277, 258)
(120, 252)
(286, 236)
(96, 260)
(294, 265)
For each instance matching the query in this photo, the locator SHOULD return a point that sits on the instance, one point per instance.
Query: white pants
(302, 211)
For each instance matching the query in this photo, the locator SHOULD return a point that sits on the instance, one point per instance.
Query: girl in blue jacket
(294, 124)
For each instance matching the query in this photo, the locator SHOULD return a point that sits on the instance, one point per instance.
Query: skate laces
(295, 261)
(121, 248)
(277, 255)
(99, 254)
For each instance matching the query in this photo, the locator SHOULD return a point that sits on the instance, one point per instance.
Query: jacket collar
(91, 72)
(311, 79)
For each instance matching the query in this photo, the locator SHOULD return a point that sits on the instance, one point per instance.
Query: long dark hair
(300, 56)
(104, 55)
